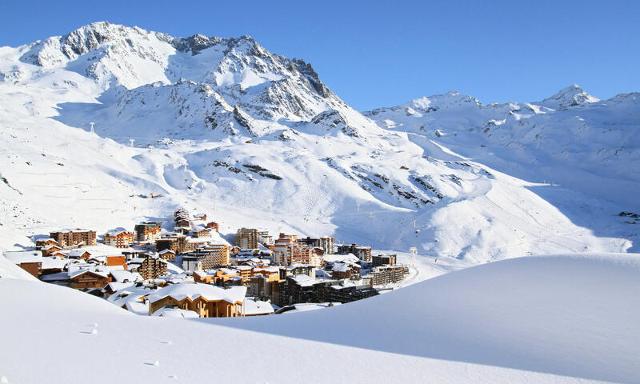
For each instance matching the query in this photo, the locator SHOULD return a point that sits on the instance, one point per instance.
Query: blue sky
(375, 53)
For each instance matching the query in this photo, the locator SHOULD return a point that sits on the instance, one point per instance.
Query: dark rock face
(195, 43)
(312, 77)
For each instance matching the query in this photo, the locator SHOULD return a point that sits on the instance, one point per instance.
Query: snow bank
(556, 319)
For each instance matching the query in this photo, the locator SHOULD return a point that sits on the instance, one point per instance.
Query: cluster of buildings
(192, 271)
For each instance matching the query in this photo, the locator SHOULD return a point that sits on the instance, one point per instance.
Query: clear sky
(380, 53)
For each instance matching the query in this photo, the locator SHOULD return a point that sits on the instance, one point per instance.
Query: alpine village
(194, 272)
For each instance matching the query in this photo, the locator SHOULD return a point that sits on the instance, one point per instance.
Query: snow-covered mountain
(224, 126)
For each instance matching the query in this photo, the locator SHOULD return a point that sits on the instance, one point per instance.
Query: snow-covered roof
(304, 280)
(333, 258)
(254, 308)
(116, 286)
(18, 257)
(122, 276)
(175, 313)
(77, 252)
(137, 307)
(76, 273)
(60, 276)
(194, 291)
(116, 231)
(340, 267)
(53, 263)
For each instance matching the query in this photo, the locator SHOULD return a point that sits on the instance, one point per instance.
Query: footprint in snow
(153, 363)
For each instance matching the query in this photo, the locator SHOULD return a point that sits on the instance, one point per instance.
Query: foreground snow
(555, 319)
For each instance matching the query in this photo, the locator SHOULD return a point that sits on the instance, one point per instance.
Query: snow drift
(544, 319)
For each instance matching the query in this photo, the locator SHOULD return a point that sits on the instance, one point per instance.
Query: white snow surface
(225, 127)
(552, 319)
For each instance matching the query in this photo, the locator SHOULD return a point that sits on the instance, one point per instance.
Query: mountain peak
(570, 96)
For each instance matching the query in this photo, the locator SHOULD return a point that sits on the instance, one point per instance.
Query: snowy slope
(579, 153)
(223, 126)
(559, 319)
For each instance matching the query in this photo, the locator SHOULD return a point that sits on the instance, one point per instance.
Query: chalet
(30, 261)
(118, 237)
(51, 249)
(52, 265)
(79, 253)
(33, 267)
(133, 298)
(45, 242)
(204, 299)
(175, 313)
(122, 276)
(342, 270)
(212, 225)
(257, 308)
(167, 254)
(88, 279)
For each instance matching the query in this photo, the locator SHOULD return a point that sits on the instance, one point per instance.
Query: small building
(45, 242)
(79, 253)
(212, 225)
(33, 267)
(257, 308)
(167, 254)
(342, 270)
(204, 299)
(88, 279)
(51, 249)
